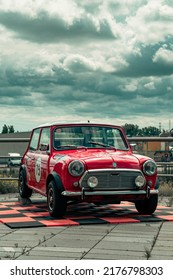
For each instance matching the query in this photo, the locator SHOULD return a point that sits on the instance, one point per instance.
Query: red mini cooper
(86, 162)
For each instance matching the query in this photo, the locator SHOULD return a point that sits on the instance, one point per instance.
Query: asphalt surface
(132, 241)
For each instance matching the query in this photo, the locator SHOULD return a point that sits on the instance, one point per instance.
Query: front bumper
(84, 193)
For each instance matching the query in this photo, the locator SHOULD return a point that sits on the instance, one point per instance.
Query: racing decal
(38, 170)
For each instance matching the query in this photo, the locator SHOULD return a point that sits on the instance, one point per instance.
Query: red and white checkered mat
(16, 215)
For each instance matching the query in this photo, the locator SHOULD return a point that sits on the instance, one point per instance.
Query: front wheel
(23, 189)
(148, 205)
(57, 204)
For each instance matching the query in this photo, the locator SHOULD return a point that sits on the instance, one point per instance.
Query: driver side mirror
(44, 147)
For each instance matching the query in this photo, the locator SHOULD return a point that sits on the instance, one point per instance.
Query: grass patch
(10, 186)
(166, 189)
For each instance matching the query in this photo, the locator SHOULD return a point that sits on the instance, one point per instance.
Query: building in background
(13, 143)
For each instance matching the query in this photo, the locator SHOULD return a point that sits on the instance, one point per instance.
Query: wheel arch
(53, 176)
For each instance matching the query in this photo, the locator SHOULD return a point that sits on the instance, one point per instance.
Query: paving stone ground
(139, 241)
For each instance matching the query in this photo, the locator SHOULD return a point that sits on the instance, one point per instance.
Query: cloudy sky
(108, 61)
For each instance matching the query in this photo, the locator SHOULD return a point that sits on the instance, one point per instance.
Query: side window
(44, 144)
(34, 141)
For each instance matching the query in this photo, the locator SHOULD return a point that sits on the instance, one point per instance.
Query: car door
(31, 156)
(42, 160)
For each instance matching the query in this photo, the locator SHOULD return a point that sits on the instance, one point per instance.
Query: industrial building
(13, 143)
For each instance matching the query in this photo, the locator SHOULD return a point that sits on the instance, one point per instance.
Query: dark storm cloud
(46, 29)
(63, 58)
(14, 96)
(144, 64)
(90, 88)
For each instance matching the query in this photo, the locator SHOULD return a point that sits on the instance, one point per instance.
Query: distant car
(86, 162)
(14, 159)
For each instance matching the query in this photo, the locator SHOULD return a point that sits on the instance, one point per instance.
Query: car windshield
(74, 137)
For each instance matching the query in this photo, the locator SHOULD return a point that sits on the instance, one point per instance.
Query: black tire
(148, 205)
(56, 203)
(23, 189)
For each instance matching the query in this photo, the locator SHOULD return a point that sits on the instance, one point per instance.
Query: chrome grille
(112, 179)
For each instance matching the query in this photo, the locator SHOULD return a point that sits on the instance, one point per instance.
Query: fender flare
(54, 176)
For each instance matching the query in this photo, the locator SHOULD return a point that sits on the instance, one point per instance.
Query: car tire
(56, 203)
(23, 189)
(148, 205)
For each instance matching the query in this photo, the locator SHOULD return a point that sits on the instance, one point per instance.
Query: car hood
(99, 159)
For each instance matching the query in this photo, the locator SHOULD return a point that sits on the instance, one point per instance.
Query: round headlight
(76, 168)
(140, 181)
(92, 182)
(149, 167)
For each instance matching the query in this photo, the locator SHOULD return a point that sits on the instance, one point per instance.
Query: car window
(34, 140)
(89, 136)
(44, 144)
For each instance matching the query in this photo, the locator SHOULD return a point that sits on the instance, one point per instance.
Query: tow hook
(148, 192)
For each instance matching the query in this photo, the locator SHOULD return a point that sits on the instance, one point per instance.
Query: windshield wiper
(101, 144)
(71, 146)
(66, 146)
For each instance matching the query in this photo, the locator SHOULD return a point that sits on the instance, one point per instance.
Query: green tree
(10, 129)
(131, 129)
(5, 129)
(150, 131)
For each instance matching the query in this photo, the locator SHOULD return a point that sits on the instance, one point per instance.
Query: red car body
(86, 162)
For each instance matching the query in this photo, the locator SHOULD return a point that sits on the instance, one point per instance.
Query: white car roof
(73, 122)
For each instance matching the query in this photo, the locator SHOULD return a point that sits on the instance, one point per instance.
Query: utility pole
(160, 126)
(169, 125)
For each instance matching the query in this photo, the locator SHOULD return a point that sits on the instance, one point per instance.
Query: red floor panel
(16, 215)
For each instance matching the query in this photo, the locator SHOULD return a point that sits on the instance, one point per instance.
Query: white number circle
(38, 170)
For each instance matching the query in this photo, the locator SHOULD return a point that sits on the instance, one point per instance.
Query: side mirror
(44, 147)
(171, 132)
(133, 147)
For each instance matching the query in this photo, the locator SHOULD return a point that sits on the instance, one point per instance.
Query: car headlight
(76, 168)
(92, 182)
(149, 167)
(140, 181)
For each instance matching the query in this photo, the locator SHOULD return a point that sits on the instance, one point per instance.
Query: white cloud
(150, 86)
(152, 22)
(164, 56)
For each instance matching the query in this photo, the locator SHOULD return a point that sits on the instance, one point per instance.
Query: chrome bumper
(87, 193)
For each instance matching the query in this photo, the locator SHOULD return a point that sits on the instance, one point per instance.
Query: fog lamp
(140, 181)
(92, 182)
